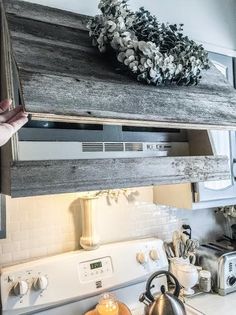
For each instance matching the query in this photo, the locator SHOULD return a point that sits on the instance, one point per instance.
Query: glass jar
(107, 305)
(205, 281)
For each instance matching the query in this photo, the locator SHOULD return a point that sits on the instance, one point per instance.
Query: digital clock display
(97, 264)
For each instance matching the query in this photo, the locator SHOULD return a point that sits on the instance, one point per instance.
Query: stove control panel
(36, 285)
(95, 269)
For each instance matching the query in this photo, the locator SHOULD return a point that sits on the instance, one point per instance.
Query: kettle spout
(143, 299)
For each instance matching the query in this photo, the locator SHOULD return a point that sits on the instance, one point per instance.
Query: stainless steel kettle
(166, 303)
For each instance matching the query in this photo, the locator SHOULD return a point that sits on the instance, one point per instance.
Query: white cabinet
(223, 143)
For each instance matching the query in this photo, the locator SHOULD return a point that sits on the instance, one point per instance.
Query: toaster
(221, 262)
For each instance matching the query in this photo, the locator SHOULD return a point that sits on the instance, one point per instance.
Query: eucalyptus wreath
(153, 52)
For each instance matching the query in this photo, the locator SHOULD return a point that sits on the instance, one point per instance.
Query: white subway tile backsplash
(6, 259)
(21, 255)
(39, 226)
(19, 235)
(48, 225)
(10, 247)
(38, 251)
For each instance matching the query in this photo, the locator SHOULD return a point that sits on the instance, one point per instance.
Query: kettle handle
(148, 293)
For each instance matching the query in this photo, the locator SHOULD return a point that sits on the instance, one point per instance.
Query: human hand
(10, 121)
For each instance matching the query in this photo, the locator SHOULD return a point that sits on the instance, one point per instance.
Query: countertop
(214, 304)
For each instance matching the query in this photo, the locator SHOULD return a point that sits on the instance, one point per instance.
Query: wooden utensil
(176, 242)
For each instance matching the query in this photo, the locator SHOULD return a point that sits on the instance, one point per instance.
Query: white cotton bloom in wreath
(147, 48)
(126, 62)
(133, 44)
(101, 44)
(111, 26)
(134, 66)
(129, 52)
(131, 58)
(126, 34)
(149, 63)
(121, 57)
(116, 42)
(143, 60)
(195, 70)
(141, 68)
(129, 21)
(126, 41)
(121, 23)
(198, 62)
(171, 58)
(141, 45)
(153, 73)
(123, 12)
(192, 59)
(178, 69)
(172, 69)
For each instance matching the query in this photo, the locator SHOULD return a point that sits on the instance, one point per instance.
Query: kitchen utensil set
(183, 246)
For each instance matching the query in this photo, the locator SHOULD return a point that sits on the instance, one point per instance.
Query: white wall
(208, 21)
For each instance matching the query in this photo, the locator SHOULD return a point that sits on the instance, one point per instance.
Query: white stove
(71, 283)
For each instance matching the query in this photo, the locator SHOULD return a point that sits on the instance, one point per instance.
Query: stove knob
(142, 258)
(154, 255)
(41, 283)
(232, 281)
(20, 288)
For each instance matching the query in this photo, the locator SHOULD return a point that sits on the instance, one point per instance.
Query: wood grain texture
(50, 177)
(46, 14)
(63, 76)
(7, 91)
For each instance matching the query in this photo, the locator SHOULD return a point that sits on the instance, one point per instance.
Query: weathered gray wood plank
(67, 62)
(7, 91)
(62, 77)
(49, 177)
(46, 14)
(105, 100)
(41, 31)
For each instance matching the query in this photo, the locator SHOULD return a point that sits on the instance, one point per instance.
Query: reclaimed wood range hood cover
(49, 65)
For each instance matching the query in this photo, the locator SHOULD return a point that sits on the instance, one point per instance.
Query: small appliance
(222, 265)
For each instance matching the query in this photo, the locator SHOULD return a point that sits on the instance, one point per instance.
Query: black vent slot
(149, 129)
(114, 147)
(92, 147)
(61, 125)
